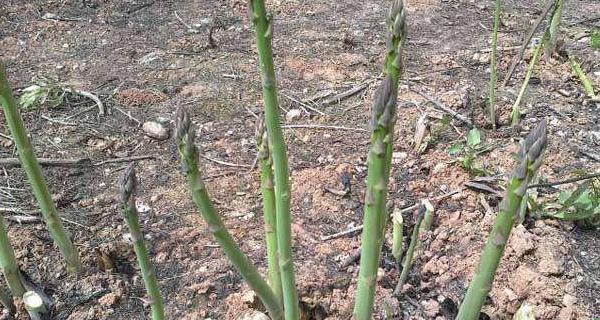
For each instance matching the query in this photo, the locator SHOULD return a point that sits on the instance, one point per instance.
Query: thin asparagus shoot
(128, 191)
(264, 33)
(408, 258)
(585, 81)
(516, 112)
(493, 66)
(397, 236)
(529, 160)
(35, 175)
(9, 264)
(379, 164)
(268, 199)
(188, 153)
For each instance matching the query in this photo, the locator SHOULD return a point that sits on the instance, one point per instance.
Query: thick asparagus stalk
(429, 215)
(35, 175)
(530, 159)
(414, 239)
(493, 66)
(553, 29)
(189, 159)
(379, 165)
(516, 113)
(9, 264)
(264, 32)
(268, 195)
(34, 304)
(128, 189)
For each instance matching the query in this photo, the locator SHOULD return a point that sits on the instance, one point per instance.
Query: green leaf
(581, 189)
(32, 96)
(456, 148)
(474, 137)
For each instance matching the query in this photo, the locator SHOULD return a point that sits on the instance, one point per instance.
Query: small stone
(250, 298)
(253, 315)
(431, 308)
(569, 300)
(156, 130)
(399, 157)
(567, 313)
(564, 92)
(293, 114)
(109, 299)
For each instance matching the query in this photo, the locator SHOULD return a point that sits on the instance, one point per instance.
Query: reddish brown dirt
(137, 56)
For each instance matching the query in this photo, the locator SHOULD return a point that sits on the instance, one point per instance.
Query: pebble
(109, 299)
(293, 114)
(399, 157)
(431, 307)
(569, 300)
(254, 315)
(155, 130)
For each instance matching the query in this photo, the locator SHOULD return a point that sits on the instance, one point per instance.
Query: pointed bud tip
(128, 183)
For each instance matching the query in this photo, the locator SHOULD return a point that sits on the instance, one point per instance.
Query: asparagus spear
(587, 83)
(493, 66)
(34, 304)
(268, 195)
(379, 164)
(553, 29)
(414, 239)
(8, 263)
(35, 175)
(264, 32)
(128, 189)
(529, 160)
(397, 236)
(516, 113)
(188, 153)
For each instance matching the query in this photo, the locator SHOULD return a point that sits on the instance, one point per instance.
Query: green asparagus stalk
(397, 235)
(585, 81)
(493, 66)
(35, 305)
(379, 164)
(414, 240)
(128, 190)
(553, 29)
(268, 195)
(529, 160)
(516, 113)
(9, 264)
(188, 153)
(35, 175)
(264, 33)
(429, 215)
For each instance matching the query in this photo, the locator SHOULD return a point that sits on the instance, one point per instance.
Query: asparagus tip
(128, 183)
(384, 106)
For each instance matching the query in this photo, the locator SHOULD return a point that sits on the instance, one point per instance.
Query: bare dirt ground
(138, 57)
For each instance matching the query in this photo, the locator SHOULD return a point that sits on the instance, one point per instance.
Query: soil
(144, 63)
